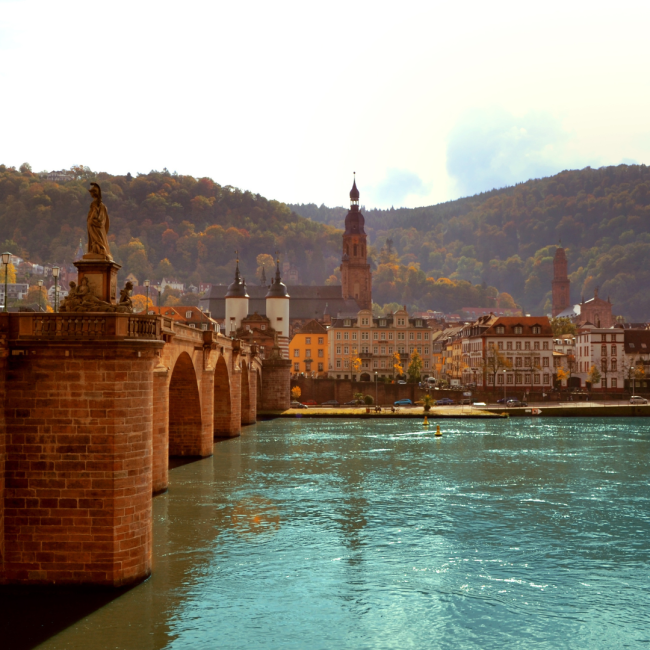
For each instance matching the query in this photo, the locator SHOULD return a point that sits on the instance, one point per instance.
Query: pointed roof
(238, 288)
(354, 192)
(277, 289)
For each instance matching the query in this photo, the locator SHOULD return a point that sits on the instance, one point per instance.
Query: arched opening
(245, 393)
(364, 377)
(184, 410)
(222, 406)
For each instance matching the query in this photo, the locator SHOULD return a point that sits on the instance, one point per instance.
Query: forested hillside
(162, 224)
(507, 237)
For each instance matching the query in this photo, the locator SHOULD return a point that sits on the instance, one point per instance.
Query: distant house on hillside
(60, 176)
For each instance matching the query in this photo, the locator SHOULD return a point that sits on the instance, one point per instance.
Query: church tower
(561, 283)
(355, 271)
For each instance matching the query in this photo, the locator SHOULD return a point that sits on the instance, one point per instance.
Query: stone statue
(81, 299)
(98, 224)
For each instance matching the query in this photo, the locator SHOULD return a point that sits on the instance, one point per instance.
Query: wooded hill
(167, 225)
(507, 237)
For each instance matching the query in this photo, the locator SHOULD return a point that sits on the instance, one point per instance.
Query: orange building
(308, 349)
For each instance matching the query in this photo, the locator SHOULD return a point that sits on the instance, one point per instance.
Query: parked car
(354, 402)
(505, 400)
(635, 399)
(465, 401)
(310, 402)
(331, 402)
(403, 402)
(479, 403)
(516, 402)
(298, 405)
(401, 381)
(445, 401)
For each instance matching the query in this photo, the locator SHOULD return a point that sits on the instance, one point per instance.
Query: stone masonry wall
(276, 389)
(79, 462)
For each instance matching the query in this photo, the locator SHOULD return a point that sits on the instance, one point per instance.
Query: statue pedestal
(101, 274)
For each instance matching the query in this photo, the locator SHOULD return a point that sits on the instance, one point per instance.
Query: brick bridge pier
(93, 406)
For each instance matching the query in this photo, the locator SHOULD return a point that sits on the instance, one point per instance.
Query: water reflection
(305, 534)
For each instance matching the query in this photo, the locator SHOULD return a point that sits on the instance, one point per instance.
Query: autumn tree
(397, 364)
(296, 393)
(265, 263)
(414, 370)
(10, 273)
(140, 304)
(562, 326)
(594, 375)
(494, 362)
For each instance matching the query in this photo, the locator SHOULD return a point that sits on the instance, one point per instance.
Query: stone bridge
(94, 405)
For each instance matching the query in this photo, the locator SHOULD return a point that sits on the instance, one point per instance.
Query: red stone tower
(355, 270)
(561, 283)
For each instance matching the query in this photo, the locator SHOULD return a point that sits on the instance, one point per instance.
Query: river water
(525, 533)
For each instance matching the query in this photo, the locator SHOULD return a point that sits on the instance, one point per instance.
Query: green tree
(562, 326)
(594, 375)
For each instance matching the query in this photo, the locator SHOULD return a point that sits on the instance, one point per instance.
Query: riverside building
(603, 349)
(374, 342)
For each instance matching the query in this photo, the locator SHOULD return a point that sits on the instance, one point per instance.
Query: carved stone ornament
(82, 299)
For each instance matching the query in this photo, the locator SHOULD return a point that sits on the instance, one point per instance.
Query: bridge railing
(84, 325)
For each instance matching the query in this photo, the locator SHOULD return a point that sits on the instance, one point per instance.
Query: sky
(425, 101)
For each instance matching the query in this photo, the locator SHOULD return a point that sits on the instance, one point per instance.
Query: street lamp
(201, 308)
(40, 295)
(159, 299)
(376, 399)
(504, 386)
(5, 260)
(146, 284)
(55, 274)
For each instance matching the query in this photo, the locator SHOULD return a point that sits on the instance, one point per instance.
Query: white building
(604, 349)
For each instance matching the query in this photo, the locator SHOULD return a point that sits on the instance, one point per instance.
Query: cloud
(396, 187)
(492, 148)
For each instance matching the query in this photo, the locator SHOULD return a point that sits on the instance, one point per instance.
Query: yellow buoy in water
(438, 432)
(426, 421)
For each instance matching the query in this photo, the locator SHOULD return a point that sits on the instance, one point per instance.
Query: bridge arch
(185, 426)
(223, 415)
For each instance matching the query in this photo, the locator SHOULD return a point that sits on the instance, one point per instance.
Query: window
(527, 379)
(321, 340)
(365, 336)
(545, 345)
(426, 364)
(419, 336)
(603, 365)
(383, 350)
(383, 336)
(537, 379)
(527, 345)
(411, 336)
(338, 349)
(603, 350)
(338, 363)
(364, 321)
(346, 336)
(603, 382)
(426, 336)
(390, 350)
(188, 314)
(613, 350)
(426, 349)
(509, 380)
(518, 363)
(499, 379)
(354, 336)
(614, 366)
(411, 350)
(346, 350)
(517, 378)
(375, 350)
(612, 338)
(296, 367)
(603, 337)
(400, 321)
(519, 329)
(537, 329)
(338, 336)
(308, 340)
(545, 362)
(390, 336)
(347, 322)
(279, 318)
(614, 382)
(418, 323)
(383, 364)
(320, 367)
(536, 345)
(321, 353)
(500, 345)
(308, 353)
(296, 353)
(501, 329)
(546, 379)
(518, 345)
(375, 334)
(375, 364)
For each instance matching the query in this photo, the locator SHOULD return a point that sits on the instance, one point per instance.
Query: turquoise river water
(521, 533)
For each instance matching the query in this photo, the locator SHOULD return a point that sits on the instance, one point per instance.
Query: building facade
(362, 346)
(308, 350)
(602, 349)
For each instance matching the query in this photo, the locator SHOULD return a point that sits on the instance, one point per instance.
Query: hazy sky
(426, 101)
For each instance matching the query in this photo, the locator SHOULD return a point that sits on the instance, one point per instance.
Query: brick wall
(3, 365)
(79, 462)
(276, 389)
(249, 395)
(160, 432)
(245, 392)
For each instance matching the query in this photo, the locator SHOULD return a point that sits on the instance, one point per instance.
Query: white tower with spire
(236, 303)
(277, 310)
